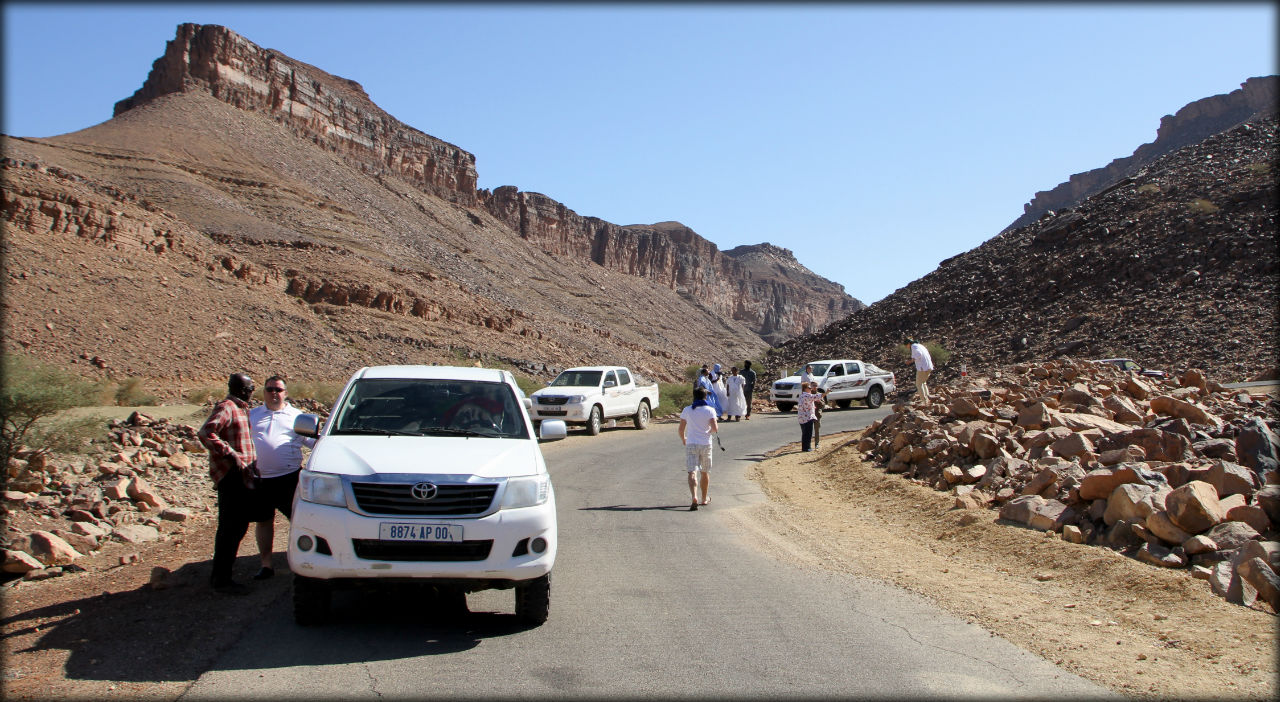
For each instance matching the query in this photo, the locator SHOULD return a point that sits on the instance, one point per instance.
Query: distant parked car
(1131, 365)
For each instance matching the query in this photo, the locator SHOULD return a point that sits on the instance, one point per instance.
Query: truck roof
(491, 375)
(595, 368)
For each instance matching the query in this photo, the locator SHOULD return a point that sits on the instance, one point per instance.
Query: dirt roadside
(107, 632)
(1139, 630)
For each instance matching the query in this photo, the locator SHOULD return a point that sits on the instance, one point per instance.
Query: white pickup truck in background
(591, 395)
(844, 381)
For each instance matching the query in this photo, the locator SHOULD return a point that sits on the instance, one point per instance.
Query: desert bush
(66, 435)
(673, 397)
(323, 391)
(205, 393)
(1148, 189)
(34, 391)
(130, 393)
(1202, 206)
(691, 372)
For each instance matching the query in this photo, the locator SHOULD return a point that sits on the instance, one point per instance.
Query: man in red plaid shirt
(232, 466)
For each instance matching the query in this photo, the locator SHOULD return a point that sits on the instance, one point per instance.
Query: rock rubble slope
(1179, 474)
(1175, 267)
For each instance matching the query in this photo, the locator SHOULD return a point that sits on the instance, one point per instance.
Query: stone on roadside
(20, 561)
(1253, 515)
(1160, 556)
(117, 489)
(1158, 523)
(136, 533)
(1072, 534)
(1194, 507)
(142, 491)
(1232, 479)
(1268, 498)
(176, 514)
(1263, 579)
(179, 461)
(1231, 535)
(50, 549)
(1123, 503)
(88, 529)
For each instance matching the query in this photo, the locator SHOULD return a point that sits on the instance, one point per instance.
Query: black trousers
(235, 507)
(806, 434)
(748, 394)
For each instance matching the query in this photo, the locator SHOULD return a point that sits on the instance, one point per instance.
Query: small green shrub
(205, 393)
(691, 372)
(323, 391)
(66, 435)
(35, 391)
(1148, 189)
(1260, 168)
(673, 397)
(1202, 206)
(130, 393)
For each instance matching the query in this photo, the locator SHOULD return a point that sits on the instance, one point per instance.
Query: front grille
(375, 550)
(552, 400)
(783, 386)
(451, 500)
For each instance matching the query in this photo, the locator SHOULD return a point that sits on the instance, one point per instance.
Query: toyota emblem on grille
(424, 491)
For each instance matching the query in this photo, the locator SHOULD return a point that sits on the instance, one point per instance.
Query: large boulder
(1257, 573)
(1125, 503)
(1232, 479)
(1231, 535)
(51, 550)
(1194, 507)
(1190, 411)
(1158, 523)
(1257, 447)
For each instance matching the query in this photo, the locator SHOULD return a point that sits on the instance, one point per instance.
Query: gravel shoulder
(1139, 630)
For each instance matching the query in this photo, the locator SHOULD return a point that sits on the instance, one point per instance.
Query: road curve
(649, 599)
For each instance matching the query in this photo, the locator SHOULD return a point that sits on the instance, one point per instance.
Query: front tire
(874, 397)
(843, 404)
(641, 417)
(533, 600)
(785, 407)
(593, 421)
(311, 597)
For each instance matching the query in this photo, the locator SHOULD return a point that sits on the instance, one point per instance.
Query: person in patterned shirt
(806, 412)
(233, 467)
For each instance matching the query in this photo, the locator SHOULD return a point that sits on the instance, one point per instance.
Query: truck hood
(788, 379)
(369, 455)
(560, 390)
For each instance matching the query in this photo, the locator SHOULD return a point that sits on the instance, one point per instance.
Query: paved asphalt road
(649, 599)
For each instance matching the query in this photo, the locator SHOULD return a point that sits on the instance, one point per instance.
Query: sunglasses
(274, 389)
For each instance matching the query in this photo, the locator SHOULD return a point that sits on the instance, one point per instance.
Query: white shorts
(697, 457)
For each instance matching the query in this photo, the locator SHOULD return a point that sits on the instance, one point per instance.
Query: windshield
(421, 407)
(818, 369)
(575, 378)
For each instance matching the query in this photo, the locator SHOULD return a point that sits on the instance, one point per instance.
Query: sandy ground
(1139, 630)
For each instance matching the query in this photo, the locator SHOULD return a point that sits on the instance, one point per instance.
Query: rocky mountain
(243, 209)
(1174, 266)
(1189, 125)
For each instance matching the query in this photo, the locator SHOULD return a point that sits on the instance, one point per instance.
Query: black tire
(452, 602)
(785, 407)
(593, 421)
(641, 417)
(875, 396)
(843, 404)
(533, 600)
(311, 597)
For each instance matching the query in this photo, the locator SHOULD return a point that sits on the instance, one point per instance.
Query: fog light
(305, 543)
(538, 545)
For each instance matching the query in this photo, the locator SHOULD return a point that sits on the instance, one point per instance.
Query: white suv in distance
(426, 475)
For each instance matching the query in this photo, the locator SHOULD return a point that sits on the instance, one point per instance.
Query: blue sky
(874, 141)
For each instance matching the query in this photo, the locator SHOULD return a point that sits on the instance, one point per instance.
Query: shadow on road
(180, 631)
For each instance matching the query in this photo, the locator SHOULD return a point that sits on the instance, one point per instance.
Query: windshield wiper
(450, 431)
(377, 432)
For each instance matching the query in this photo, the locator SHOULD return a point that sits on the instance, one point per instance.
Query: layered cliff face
(1189, 125)
(335, 110)
(338, 114)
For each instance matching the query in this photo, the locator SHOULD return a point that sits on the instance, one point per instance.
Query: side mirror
(307, 425)
(609, 384)
(552, 430)
(528, 403)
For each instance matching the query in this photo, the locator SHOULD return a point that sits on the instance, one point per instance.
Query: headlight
(321, 488)
(577, 399)
(526, 492)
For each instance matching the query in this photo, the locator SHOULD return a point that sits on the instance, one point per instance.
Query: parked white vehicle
(427, 475)
(844, 380)
(591, 395)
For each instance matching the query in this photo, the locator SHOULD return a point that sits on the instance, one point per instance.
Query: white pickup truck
(590, 395)
(429, 476)
(844, 381)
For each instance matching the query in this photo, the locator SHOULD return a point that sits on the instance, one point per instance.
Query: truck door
(611, 391)
(834, 382)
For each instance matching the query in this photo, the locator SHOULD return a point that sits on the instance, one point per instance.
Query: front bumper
(510, 531)
(568, 413)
